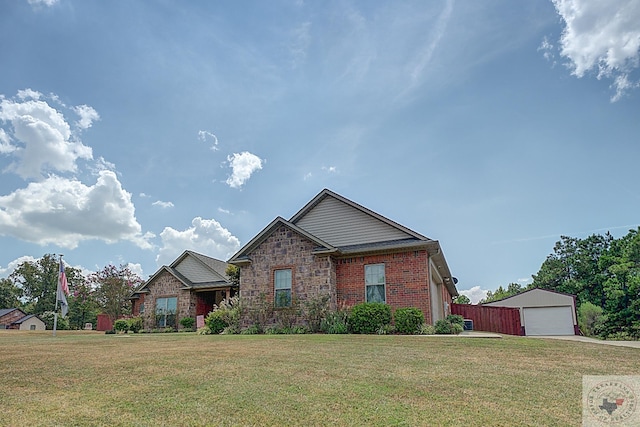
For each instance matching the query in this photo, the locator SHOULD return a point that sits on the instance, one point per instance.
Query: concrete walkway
(633, 344)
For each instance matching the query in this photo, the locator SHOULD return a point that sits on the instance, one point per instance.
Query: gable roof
(25, 318)
(194, 271)
(342, 222)
(242, 256)
(5, 311)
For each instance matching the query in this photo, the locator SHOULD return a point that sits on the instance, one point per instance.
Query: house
(337, 248)
(189, 287)
(543, 312)
(14, 318)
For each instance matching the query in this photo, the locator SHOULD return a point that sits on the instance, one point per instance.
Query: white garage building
(544, 312)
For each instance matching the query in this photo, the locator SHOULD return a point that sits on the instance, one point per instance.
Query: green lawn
(186, 379)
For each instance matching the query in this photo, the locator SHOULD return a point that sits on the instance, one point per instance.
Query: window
(32, 327)
(166, 312)
(282, 284)
(374, 283)
(141, 310)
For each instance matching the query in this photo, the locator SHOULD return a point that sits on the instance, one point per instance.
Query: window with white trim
(374, 283)
(282, 288)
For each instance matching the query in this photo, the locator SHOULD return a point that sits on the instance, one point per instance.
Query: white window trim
(384, 285)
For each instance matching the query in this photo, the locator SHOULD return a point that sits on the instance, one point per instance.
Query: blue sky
(131, 131)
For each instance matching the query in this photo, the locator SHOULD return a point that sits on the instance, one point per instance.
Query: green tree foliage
(602, 271)
(39, 281)
(83, 306)
(113, 287)
(461, 299)
(234, 274)
(9, 294)
(501, 293)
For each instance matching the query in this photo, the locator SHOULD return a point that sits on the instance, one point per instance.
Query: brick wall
(165, 286)
(312, 275)
(406, 275)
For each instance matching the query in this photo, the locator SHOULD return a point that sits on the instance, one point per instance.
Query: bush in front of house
(121, 325)
(188, 323)
(408, 320)
(336, 322)
(426, 329)
(452, 324)
(369, 317)
(225, 317)
(135, 324)
(315, 311)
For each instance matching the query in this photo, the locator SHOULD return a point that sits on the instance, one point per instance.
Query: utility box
(468, 325)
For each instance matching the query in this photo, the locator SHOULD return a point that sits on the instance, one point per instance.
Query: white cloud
(330, 169)
(475, 294)
(87, 116)
(602, 37)
(243, 165)
(307, 176)
(42, 139)
(162, 204)
(65, 212)
(204, 135)
(5, 272)
(300, 41)
(224, 211)
(205, 236)
(5, 143)
(42, 2)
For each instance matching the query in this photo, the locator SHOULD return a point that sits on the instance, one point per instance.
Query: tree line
(32, 288)
(604, 275)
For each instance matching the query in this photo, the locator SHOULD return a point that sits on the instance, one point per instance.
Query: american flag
(62, 279)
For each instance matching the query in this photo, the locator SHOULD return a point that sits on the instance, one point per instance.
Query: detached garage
(543, 312)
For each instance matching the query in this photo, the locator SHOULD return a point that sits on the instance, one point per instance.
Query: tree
(9, 294)
(83, 306)
(39, 281)
(501, 293)
(461, 299)
(234, 274)
(113, 287)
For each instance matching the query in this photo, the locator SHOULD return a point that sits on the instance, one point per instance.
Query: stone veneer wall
(166, 285)
(312, 275)
(406, 276)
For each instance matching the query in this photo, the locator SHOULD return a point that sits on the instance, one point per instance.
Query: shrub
(408, 320)
(135, 324)
(227, 314)
(288, 316)
(589, 318)
(204, 331)
(336, 322)
(121, 325)
(315, 310)
(251, 330)
(215, 322)
(443, 327)
(426, 329)
(455, 319)
(188, 323)
(452, 324)
(260, 312)
(369, 317)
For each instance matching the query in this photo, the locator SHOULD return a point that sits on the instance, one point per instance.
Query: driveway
(634, 344)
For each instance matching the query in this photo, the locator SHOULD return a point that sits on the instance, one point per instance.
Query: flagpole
(55, 311)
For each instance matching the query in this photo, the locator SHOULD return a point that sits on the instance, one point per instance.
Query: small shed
(543, 312)
(30, 323)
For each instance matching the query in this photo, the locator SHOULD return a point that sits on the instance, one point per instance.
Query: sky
(132, 131)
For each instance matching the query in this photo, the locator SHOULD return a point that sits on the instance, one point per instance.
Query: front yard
(187, 379)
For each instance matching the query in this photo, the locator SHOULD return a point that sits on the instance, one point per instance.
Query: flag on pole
(63, 290)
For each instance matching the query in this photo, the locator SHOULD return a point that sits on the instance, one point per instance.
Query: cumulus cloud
(65, 212)
(205, 236)
(475, 294)
(205, 136)
(162, 204)
(243, 165)
(87, 116)
(603, 38)
(10, 268)
(40, 137)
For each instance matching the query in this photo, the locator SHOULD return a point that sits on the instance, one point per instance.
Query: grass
(78, 379)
